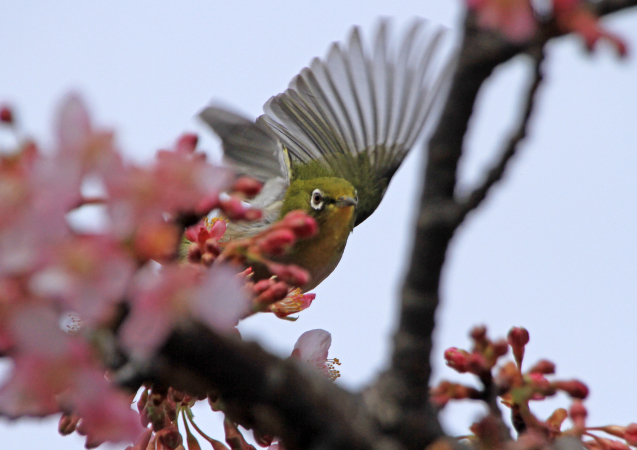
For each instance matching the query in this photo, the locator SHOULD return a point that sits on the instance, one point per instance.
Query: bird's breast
(321, 254)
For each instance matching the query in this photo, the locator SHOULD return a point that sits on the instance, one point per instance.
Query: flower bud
(194, 254)
(211, 246)
(556, 419)
(500, 348)
(6, 115)
(252, 214)
(518, 337)
(544, 367)
(457, 359)
(277, 242)
(303, 225)
(263, 440)
(578, 414)
(479, 333)
(187, 143)
(207, 204)
(631, 434)
(291, 274)
(574, 388)
(169, 437)
(67, 424)
(232, 208)
(207, 259)
(247, 186)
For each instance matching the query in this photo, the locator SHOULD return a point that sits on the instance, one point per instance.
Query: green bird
(330, 144)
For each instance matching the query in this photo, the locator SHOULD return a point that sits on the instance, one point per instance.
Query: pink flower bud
(277, 242)
(578, 414)
(247, 186)
(262, 286)
(500, 348)
(207, 259)
(631, 434)
(291, 274)
(574, 388)
(169, 437)
(252, 214)
(6, 115)
(478, 364)
(263, 440)
(207, 204)
(538, 381)
(194, 254)
(457, 359)
(211, 246)
(67, 424)
(543, 366)
(187, 143)
(518, 337)
(278, 291)
(232, 208)
(303, 225)
(479, 333)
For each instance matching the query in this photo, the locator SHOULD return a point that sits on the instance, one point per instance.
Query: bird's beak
(346, 201)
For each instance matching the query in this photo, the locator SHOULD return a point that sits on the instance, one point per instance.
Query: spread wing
(248, 147)
(356, 114)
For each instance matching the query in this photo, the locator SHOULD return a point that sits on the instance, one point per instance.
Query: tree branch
(494, 175)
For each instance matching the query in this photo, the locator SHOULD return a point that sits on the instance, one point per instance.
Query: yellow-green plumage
(342, 129)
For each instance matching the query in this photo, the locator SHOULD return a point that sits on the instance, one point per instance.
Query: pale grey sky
(553, 249)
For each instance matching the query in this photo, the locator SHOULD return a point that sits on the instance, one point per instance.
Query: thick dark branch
(610, 6)
(280, 397)
(495, 174)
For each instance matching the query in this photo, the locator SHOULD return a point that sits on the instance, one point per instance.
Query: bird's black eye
(316, 201)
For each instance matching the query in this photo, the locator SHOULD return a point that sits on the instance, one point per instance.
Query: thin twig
(495, 174)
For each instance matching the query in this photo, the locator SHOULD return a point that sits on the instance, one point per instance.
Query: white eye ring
(316, 200)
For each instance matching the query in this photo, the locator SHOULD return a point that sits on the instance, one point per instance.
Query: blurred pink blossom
(162, 299)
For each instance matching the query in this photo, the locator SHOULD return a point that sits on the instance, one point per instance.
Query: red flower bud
(232, 208)
(578, 413)
(247, 186)
(479, 333)
(543, 366)
(457, 359)
(278, 291)
(67, 424)
(631, 434)
(6, 115)
(187, 143)
(169, 437)
(574, 388)
(263, 440)
(207, 204)
(262, 285)
(211, 246)
(518, 337)
(500, 347)
(277, 242)
(194, 254)
(252, 214)
(478, 364)
(291, 274)
(303, 225)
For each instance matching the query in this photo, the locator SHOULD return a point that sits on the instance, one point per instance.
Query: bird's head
(326, 199)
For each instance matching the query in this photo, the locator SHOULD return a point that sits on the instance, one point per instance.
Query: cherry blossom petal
(312, 346)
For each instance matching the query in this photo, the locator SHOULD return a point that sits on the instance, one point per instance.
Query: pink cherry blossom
(162, 299)
(88, 274)
(312, 347)
(514, 18)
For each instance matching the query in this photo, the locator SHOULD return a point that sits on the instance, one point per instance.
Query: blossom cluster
(74, 301)
(515, 389)
(519, 21)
